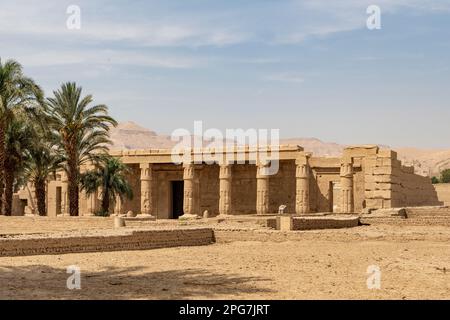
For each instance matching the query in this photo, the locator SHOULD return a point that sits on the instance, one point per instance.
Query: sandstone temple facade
(364, 178)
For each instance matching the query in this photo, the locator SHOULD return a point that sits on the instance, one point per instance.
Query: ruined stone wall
(209, 189)
(243, 189)
(443, 193)
(388, 184)
(412, 190)
(380, 179)
(325, 196)
(282, 187)
(133, 178)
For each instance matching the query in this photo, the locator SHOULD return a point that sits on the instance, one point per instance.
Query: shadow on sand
(44, 282)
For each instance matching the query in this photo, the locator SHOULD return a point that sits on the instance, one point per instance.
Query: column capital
(225, 171)
(189, 171)
(302, 168)
(261, 169)
(146, 171)
(145, 165)
(346, 170)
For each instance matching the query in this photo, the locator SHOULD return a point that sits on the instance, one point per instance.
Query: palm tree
(16, 92)
(41, 163)
(18, 140)
(81, 133)
(109, 176)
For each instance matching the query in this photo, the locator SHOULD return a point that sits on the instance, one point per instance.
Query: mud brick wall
(134, 240)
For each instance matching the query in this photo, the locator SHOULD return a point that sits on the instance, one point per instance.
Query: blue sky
(310, 68)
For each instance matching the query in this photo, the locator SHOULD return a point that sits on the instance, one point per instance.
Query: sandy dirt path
(323, 265)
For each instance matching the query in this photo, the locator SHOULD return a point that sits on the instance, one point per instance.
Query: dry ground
(325, 264)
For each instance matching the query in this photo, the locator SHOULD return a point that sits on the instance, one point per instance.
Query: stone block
(383, 170)
(285, 223)
(387, 153)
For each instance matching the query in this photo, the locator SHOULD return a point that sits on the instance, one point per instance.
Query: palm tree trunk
(39, 186)
(2, 163)
(105, 201)
(73, 188)
(9, 190)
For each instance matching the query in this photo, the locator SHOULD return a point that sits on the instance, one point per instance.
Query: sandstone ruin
(365, 178)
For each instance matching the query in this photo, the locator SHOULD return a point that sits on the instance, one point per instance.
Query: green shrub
(445, 176)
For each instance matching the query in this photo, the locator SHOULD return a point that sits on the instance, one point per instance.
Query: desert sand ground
(322, 264)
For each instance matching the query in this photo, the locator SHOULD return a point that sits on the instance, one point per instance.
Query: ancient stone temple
(364, 178)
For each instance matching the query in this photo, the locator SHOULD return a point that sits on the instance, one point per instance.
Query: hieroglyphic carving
(262, 189)
(146, 188)
(346, 173)
(225, 189)
(189, 197)
(302, 186)
(64, 193)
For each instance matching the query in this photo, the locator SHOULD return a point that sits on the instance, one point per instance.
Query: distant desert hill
(129, 135)
(426, 161)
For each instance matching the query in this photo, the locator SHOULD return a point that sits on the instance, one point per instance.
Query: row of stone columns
(302, 203)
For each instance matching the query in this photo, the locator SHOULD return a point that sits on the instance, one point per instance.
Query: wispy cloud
(104, 58)
(285, 77)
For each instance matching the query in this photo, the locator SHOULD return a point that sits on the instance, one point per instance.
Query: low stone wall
(325, 223)
(125, 240)
(225, 236)
(318, 223)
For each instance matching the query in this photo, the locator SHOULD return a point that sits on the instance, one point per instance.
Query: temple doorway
(177, 196)
(335, 196)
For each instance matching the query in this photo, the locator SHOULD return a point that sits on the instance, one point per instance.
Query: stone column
(225, 189)
(262, 189)
(146, 189)
(189, 202)
(346, 174)
(302, 186)
(64, 193)
(118, 205)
